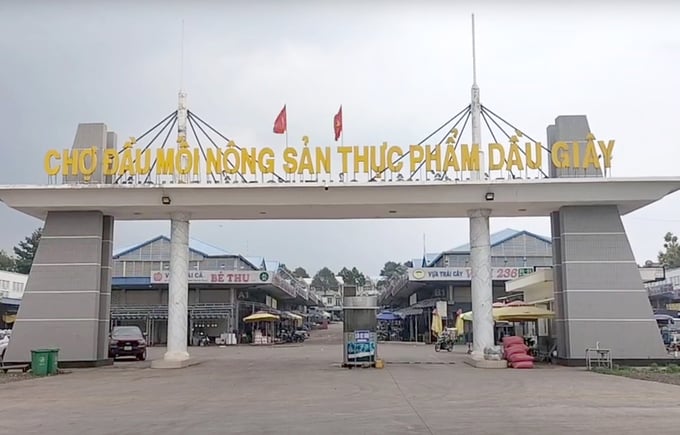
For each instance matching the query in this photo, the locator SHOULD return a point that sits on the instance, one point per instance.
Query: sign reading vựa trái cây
(232, 159)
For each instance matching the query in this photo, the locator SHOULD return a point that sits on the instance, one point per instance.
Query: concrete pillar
(482, 290)
(178, 295)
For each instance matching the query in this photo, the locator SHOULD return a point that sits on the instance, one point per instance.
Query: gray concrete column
(178, 295)
(482, 289)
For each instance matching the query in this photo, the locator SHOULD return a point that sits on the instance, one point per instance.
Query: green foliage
(7, 262)
(392, 269)
(353, 276)
(670, 256)
(300, 272)
(25, 251)
(325, 280)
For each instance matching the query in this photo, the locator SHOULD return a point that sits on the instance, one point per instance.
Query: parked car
(127, 341)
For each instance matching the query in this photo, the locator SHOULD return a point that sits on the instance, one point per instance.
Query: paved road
(302, 390)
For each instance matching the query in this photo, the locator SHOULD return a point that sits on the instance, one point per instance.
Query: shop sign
(362, 336)
(464, 273)
(217, 277)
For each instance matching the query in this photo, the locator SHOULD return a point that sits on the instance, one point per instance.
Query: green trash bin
(40, 361)
(53, 362)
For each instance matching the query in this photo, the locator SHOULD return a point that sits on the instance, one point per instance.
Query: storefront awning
(261, 317)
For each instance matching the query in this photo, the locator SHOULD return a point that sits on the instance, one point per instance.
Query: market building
(223, 289)
(447, 277)
(522, 269)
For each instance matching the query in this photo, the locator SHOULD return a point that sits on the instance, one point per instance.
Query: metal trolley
(360, 342)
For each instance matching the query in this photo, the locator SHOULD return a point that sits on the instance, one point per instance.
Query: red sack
(516, 348)
(508, 340)
(520, 357)
(523, 365)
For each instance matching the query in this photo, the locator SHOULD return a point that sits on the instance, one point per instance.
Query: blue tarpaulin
(387, 315)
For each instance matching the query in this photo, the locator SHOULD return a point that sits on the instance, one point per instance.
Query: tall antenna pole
(476, 110)
(181, 61)
(182, 112)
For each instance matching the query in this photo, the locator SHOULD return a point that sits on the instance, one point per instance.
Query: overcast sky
(398, 69)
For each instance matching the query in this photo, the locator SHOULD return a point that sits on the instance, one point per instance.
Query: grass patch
(667, 374)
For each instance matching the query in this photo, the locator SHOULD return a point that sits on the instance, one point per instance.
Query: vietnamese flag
(281, 122)
(337, 124)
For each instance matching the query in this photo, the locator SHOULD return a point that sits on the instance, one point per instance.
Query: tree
(671, 256)
(300, 272)
(392, 269)
(353, 276)
(25, 251)
(325, 280)
(7, 262)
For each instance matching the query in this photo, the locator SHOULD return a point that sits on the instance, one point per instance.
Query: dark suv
(127, 341)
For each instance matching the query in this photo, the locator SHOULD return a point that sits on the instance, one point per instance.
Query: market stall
(263, 331)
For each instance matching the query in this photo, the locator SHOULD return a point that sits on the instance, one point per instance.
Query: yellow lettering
(470, 157)
(416, 157)
(576, 154)
(433, 155)
(183, 160)
(344, 151)
(289, 156)
(378, 164)
(196, 162)
(361, 159)
(306, 163)
(87, 162)
(165, 161)
(515, 158)
(49, 169)
(560, 155)
(110, 161)
(213, 161)
(590, 158)
(323, 159)
(231, 159)
(266, 160)
(450, 159)
(248, 161)
(607, 152)
(69, 162)
(534, 163)
(391, 152)
(126, 162)
(496, 149)
(144, 167)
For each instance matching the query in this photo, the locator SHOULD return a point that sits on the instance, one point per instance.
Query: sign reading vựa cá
(231, 159)
(217, 277)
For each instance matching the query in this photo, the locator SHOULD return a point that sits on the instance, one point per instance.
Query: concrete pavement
(302, 390)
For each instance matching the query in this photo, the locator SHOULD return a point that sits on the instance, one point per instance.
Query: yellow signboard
(185, 160)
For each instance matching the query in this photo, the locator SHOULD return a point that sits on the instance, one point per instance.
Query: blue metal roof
(205, 249)
(258, 262)
(496, 239)
(429, 258)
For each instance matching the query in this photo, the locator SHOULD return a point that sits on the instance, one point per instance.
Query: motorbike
(444, 342)
(299, 336)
